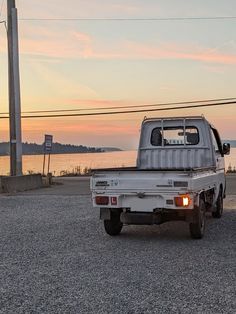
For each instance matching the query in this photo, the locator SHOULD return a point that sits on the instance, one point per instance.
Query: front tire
(113, 226)
(197, 228)
(219, 206)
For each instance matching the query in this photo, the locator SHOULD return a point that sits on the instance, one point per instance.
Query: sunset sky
(88, 64)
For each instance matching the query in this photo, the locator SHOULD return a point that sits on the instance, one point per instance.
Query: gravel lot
(56, 258)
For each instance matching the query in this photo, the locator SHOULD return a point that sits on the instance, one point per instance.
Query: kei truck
(180, 175)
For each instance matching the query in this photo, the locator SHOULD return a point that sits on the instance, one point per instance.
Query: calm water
(68, 162)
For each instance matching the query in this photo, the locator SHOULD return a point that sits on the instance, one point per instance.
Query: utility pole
(14, 90)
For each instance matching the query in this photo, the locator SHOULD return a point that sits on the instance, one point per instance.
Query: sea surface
(60, 164)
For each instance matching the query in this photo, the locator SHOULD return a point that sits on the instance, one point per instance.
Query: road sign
(48, 143)
(48, 139)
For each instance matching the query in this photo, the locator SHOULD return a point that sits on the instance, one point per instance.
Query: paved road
(56, 258)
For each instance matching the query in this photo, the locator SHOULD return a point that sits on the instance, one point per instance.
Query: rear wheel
(197, 227)
(114, 225)
(219, 206)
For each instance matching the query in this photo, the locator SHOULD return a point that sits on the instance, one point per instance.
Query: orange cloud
(78, 131)
(86, 126)
(93, 103)
(123, 131)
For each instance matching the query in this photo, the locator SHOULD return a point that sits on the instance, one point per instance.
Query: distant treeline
(36, 149)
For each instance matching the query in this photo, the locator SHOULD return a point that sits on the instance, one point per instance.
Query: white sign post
(48, 141)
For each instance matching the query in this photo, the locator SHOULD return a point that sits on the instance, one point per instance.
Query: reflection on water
(69, 162)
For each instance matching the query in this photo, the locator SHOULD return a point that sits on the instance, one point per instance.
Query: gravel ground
(56, 258)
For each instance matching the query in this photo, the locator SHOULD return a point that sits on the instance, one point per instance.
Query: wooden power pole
(14, 90)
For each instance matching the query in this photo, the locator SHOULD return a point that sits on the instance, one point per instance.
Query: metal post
(49, 162)
(43, 162)
(14, 91)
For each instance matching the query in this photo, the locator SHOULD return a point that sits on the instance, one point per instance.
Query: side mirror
(226, 148)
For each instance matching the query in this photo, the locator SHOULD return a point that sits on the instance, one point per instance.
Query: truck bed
(132, 179)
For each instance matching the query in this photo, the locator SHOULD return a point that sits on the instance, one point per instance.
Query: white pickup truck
(180, 175)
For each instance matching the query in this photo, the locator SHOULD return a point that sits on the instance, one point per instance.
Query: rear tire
(197, 228)
(113, 226)
(219, 206)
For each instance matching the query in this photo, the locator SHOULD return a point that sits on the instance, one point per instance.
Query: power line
(124, 112)
(126, 107)
(132, 19)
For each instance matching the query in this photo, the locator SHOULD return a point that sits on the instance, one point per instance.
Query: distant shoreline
(31, 149)
(68, 153)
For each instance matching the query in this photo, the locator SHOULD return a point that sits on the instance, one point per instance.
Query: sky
(88, 64)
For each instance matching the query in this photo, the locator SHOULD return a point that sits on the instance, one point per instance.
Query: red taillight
(102, 200)
(182, 201)
(113, 200)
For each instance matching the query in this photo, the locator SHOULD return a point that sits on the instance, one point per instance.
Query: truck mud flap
(105, 214)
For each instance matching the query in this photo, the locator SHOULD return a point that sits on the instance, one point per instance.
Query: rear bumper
(144, 218)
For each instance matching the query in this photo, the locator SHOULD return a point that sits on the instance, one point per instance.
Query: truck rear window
(175, 136)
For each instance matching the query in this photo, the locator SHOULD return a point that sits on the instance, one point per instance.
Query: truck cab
(179, 143)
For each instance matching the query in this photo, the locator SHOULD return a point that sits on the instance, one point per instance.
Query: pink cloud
(82, 36)
(208, 57)
(126, 8)
(75, 44)
(183, 52)
(55, 44)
